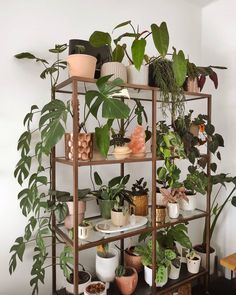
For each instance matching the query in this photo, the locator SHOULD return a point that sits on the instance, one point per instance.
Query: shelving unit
(77, 86)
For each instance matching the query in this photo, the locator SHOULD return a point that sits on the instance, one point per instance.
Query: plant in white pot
(193, 262)
(107, 260)
(84, 229)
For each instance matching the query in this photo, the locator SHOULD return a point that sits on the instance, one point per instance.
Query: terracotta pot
(85, 146)
(160, 214)
(117, 69)
(132, 259)
(119, 218)
(127, 284)
(81, 65)
(81, 210)
(140, 206)
(137, 77)
(192, 85)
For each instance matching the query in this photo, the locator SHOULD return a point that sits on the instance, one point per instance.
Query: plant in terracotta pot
(126, 279)
(107, 194)
(140, 197)
(133, 259)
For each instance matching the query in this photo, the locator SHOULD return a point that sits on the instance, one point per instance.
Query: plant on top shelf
(107, 194)
(168, 75)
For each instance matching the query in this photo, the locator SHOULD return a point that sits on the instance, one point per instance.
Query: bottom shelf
(144, 289)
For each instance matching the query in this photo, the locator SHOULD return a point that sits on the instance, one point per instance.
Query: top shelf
(141, 92)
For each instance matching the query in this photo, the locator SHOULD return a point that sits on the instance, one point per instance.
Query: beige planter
(81, 65)
(127, 284)
(117, 69)
(119, 218)
(137, 77)
(85, 146)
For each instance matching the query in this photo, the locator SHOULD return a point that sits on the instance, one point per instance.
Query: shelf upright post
(75, 106)
(208, 200)
(54, 252)
(153, 208)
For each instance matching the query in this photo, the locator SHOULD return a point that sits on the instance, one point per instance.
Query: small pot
(127, 284)
(84, 280)
(81, 65)
(119, 218)
(190, 205)
(132, 259)
(85, 146)
(84, 231)
(97, 288)
(106, 207)
(140, 207)
(81, 210)
(137, 77)
(106, 266)
(193, 265)
(174, 272)
(148, 277)
(173, 210)
(160, 214)
(117, 69)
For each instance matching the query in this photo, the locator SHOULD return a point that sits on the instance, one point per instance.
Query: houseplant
(84, 229)
(140, 198)
(193, 262)
(132, 258)
(126, 279)
(106, 194)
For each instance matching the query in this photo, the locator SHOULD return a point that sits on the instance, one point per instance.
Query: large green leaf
(118, 53)
(99, 39)
(122, 24)
(179, 67)
(115, 109)
(138, 49)
(160, 37)
(102, 139)
(25, 55)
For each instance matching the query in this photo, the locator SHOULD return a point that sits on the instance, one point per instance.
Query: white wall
(32, 25)
(218, 48)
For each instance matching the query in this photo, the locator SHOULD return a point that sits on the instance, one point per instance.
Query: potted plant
(84, 229)
(133, 259)
(107, 261)
(126, 279)
(95, 288)
(140, 198)
(193, 262)
(106, 194)
(81, 65)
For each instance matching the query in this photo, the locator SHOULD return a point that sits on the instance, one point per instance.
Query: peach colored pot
(128, 284)
(119, 218)
(192, 85)
(81, 65)
(132, 260)
(81, 210)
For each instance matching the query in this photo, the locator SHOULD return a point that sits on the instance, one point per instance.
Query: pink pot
(81, 65)
(127, 284)
(81, 210)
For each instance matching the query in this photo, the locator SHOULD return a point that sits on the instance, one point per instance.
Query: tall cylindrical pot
(106, 266)
(173, 210)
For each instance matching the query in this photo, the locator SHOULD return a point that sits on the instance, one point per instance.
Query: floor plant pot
(127, 284)
(190, 205)
(119, 218)
(84, 280)
(173, 210)
(140, 207)
(160, 214)
(202, 253)
(106, 207)
(117, 69)
(81, 65)
(148, 277)
(106, 266)
(81, 210)
(95, 288)
(174, 272)
(137, 77)
(193, 265)
(132, 259)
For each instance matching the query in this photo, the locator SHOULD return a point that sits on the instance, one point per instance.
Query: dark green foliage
(140, 187)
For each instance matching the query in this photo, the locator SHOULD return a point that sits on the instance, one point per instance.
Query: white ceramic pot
(173, 210)
(105, 267)
(137, 77)
(70, 287)
(193, 265)
(190, 205)
(203, 260)
(81, 65)
(84, 231)
(148, 277)
(119, 218)
(86, 292)
(174, 272)
(117, 69)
